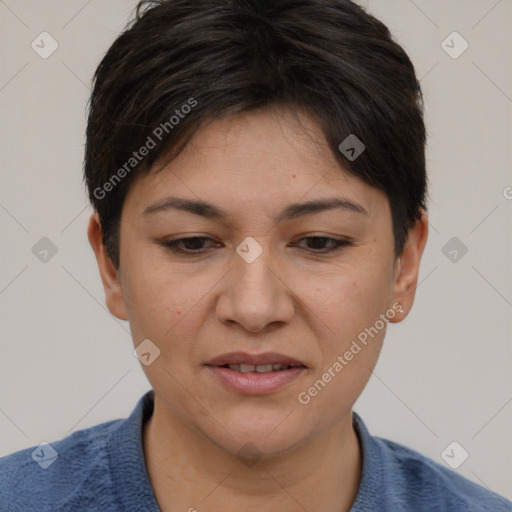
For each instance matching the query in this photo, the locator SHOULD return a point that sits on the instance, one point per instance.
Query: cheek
(346, 308)
(349, 348)
(344, 301)
(156, 300)
(167, 304)
(353, 306)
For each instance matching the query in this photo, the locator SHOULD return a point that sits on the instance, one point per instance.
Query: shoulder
(68, 474)
(397, 478)
(419, 481)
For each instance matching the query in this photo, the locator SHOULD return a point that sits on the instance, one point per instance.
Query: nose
(254, 295)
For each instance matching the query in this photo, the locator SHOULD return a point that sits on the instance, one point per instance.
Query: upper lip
(255, 359)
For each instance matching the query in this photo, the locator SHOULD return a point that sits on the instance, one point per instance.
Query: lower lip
(254, 383)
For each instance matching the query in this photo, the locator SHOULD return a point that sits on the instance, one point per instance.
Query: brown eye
(322, 244)
(189, 245)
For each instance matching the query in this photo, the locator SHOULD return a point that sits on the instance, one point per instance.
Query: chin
(264, 437)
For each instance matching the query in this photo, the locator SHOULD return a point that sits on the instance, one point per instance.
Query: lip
(255, 383)
(256, 359)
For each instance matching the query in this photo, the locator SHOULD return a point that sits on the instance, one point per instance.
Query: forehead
(272, 141)
(257, 159)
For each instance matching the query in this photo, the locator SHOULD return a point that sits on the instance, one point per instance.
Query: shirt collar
(130, 478)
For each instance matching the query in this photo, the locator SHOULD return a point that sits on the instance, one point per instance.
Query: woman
(257, 171)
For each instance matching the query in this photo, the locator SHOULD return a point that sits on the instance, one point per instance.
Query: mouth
(255, 374)
(260, 363)
(260, 368)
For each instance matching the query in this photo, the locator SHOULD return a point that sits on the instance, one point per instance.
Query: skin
(290, 300)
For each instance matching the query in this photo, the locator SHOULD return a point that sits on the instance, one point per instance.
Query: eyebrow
(292, 211)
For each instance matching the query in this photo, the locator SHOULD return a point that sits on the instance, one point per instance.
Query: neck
(189, 472)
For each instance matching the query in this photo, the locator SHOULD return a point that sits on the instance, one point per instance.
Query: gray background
(445, 372)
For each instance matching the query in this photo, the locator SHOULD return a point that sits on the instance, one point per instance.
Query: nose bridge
(254, 296)
(253, 277)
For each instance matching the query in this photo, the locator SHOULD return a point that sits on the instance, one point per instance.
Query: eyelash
(173, 245)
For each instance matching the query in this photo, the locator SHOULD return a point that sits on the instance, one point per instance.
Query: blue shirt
(102, 468)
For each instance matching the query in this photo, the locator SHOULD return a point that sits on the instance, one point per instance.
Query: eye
(317, 244)
(195, 245)
(189, 245)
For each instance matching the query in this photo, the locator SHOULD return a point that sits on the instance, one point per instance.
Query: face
(263, 277)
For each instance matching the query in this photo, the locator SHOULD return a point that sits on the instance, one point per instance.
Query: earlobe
(407, 267)
(114, 298)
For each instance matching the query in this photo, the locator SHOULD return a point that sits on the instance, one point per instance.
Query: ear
(109, 275)
(407, 267)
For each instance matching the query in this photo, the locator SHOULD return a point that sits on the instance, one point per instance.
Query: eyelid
(173, 244)
(336, 245)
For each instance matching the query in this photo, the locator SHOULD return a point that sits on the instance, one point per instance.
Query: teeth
(261, 368)
(264, 368)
